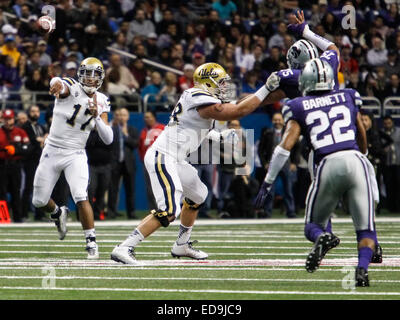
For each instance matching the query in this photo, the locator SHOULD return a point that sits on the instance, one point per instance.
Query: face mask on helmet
(90, 79)
(224, 89)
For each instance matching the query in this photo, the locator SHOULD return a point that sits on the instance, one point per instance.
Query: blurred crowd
(248, 38)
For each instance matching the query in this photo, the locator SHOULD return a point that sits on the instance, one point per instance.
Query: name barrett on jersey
(328, 122)
(72, 120)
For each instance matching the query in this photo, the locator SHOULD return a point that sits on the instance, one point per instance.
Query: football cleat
(92, 249)
(325, 242)
(187, 250)
(377, 257)
(361, 277)
(61, 222)
(124, 255)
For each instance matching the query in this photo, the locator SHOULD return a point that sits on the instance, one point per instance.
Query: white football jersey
(186, 128)
(72, 121)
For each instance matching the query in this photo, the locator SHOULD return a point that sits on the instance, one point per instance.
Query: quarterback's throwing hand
(262, 195)
(56, 88)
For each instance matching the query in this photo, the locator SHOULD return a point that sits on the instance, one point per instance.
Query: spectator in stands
(186, 81)
(10, 49)
(277, 40)
(168, 92)
(152, 90)
(139, 71)
(127, 77)
(184, 16)
(199, 59)
(393, 87)
(199, 7)
(97, 31)
(71, 69)
(44, 59)
(99, 159)
(140, 26)
(9, 75)
(269, 140)
(36, 134)
(274, 60)
(225, 9)
(392, 65)
(126, 140)
(35, 82)
(14, 145)
(348, 64)
(166, 21)
(77, 18)
(330, 24)
(148, 135)
(21, 118)
(114, 85)
(151, 45)
(377, 55)
(251, 83)
(263, 28)
(33, 62)
(353, 81)
(391, 166)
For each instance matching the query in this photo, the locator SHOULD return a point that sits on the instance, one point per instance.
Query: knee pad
(189, 204)
(39, 203)
(362, 234)
(162, 216)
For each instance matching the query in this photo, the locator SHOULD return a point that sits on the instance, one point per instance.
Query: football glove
(262, 195)
(272, 82)
(298, 29)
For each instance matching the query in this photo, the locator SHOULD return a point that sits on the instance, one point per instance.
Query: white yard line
(211, 222)
(389, 262)
(190, 279)
(256, 292)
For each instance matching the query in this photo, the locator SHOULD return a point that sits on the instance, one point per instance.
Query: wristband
(262, 93)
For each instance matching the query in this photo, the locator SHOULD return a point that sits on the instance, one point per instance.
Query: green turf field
(251, 259)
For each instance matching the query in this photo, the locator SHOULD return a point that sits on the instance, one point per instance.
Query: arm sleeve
(279, 158)
(105, 132)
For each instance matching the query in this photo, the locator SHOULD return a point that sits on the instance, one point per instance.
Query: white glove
(230, 136)
(272, 82)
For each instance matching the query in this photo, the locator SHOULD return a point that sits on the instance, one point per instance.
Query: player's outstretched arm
(279, 157)
(58, 88)
(301, 28)
(230, 111)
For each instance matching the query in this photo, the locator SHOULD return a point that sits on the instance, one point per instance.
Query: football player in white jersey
(172, 177)
(78, 109)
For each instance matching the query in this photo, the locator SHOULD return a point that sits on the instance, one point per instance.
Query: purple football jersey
(332, 58)
(289, 82)
(328, 122)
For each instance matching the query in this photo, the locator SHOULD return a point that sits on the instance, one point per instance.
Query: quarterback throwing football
(78, 109)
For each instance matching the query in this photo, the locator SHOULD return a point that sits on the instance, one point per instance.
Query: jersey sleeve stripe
(201, 94)
(67, 80)
(72, 79)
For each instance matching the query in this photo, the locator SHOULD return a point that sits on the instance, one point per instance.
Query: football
(46, 24)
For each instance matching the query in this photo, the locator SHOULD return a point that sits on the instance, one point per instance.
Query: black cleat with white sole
(325, 242)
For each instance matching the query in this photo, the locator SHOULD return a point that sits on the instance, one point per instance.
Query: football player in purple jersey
(331, 122)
